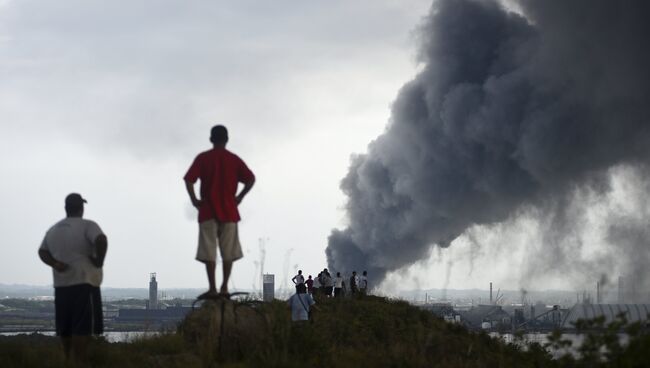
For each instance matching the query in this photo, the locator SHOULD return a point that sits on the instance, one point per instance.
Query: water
(110, 336)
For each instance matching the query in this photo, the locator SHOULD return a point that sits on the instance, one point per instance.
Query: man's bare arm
(47, 258)
(190, 191)
(101, 246)
(247, 187)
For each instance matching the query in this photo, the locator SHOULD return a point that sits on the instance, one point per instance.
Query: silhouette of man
(220, 172)
(299, 279)
(75, 248)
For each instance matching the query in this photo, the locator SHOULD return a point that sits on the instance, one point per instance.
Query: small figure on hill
(339, 284)
(329, 283)
(299, 279)
(354, 283)
(300, 304)
(310, 285)
(363, 283)
(75, 248)
(220, 172)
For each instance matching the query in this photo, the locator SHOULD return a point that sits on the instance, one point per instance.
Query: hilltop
(367, 332)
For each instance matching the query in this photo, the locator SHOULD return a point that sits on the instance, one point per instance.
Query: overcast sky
(114, 100)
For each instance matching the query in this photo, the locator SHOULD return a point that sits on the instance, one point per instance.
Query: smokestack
(153, 291)
(490, 293)
(513, 112)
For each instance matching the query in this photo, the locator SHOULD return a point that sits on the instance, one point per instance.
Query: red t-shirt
(220, 172)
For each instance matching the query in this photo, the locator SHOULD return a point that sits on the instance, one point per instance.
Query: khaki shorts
(225, 234)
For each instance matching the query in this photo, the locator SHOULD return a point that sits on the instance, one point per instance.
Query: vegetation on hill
(367, 332)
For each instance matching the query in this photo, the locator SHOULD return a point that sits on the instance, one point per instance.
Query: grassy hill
(368, 332)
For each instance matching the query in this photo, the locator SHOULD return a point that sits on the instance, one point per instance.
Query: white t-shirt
(72, 241)
(363, 282)
(300, 305)
(299, 279)
(338, 282)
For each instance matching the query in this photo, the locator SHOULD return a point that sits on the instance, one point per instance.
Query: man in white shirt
(75, 248)
(339, 284)
(363, 283)
(300, 304)
(299, 279)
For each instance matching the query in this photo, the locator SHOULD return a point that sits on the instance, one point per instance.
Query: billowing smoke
(509, 112)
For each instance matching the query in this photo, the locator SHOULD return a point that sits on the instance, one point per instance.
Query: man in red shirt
(220, 172)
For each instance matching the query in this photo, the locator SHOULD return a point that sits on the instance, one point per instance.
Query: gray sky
(114, 99)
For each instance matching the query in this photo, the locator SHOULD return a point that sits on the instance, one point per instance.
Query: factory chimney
(153, 291)
(490, 293)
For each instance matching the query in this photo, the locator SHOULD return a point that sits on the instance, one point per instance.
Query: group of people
(326, 285)
(302, 302)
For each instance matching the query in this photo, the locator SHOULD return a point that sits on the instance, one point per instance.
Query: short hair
(219, 134)
(74, 203)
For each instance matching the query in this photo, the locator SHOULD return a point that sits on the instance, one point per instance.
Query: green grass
(368, 332)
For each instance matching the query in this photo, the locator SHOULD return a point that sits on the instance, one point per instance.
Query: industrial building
(268, 287)
(632, 312)
(156, 313)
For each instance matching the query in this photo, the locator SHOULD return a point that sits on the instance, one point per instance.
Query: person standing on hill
(310, 285)
(363, 283)
(299, 279)
(75, 248)
(329, 282)
(339, 284)
(220, 172)
(300, 304)
(354, 283)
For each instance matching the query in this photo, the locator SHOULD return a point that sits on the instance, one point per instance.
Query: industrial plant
(496, 316)
(157, 314)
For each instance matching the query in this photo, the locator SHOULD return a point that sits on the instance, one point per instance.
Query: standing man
(354, 283)
(363, 283)
(300, 304)
(75, 248)
(298, 280)
(220, 172)
(310, 285)
(339, 284)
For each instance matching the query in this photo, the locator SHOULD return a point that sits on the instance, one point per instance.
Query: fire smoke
(509, 111)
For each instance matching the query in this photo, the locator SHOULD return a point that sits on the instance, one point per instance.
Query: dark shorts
(78, 310)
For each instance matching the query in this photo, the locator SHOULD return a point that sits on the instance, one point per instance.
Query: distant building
(268, 287)
(150, 315)
(153, 292)
(155, 312)
(486, 316)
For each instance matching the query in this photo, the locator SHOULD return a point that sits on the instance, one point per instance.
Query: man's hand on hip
(197, 203)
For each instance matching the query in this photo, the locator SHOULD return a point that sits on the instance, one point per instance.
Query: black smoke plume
(509, 111)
